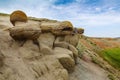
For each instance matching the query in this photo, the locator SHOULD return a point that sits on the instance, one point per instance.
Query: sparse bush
(80, 49)
(111, 77)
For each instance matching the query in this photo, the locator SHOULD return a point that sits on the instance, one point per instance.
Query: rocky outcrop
(30, 62)
(38, 50)
(51, 54)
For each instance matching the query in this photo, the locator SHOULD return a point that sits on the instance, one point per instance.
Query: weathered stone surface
(72, 39)
(25, 32)
(65, 57)
(1, 59)
(75, 52)
(67, 62)
(44, 54)
(59, 42)
(48, 26)
(57, 28)
(27, 63)
(45, 49)
(59, 50)
(47, 39)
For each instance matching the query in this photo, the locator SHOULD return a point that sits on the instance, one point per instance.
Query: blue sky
(99, 18)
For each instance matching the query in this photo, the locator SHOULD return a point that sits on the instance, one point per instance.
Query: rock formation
(53, 59)
(43, 49)
(18, 16)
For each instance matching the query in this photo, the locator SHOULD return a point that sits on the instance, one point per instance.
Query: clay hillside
(43, 49)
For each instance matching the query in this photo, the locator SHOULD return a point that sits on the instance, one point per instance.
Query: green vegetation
(111, 77)
(112, 56)
(81, 48)
(4, 14)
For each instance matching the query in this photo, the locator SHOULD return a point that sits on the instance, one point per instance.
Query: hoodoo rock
(18, 16)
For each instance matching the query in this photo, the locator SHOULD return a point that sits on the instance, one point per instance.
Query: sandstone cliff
(54, 55)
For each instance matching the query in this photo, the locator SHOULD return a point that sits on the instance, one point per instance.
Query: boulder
(57, 28)
(24, 32)
(64, 28)
(18, 16)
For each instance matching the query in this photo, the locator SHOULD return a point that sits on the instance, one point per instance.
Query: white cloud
(77, 13)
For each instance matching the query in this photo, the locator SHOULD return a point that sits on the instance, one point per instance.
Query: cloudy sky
(100, 18)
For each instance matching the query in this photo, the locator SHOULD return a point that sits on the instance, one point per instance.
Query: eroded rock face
(27, 62)
(47, 52)
(54, 59)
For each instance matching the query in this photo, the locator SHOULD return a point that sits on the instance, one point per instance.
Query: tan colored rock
(65, 57)
(57, 28)
(45, 49)
(18, 16)
(75, 52)
(48, 68)
(1, 59)
(25, 32)
(65, 28)
(72, 39)
(59, 42)
(59, 50)
(67, 62)
(47, 39)
(27, 63)
(48, 26)
(30, 51)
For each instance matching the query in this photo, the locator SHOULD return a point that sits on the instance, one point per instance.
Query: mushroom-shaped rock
(64, 28)
(18, 16)
(24, 33)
